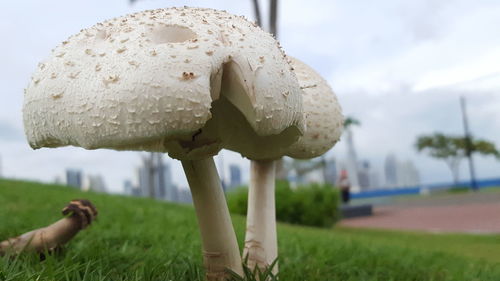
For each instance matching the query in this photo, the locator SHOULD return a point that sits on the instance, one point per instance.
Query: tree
(349, 122)
(453, 149)
(303, 167)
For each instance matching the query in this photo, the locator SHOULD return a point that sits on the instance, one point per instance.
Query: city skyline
(392, 173)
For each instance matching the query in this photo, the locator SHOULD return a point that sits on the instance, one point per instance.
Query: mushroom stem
(220, 247)
(81, 214)
(261, 244)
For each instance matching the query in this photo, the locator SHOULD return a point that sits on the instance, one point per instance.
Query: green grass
(140, 239)
(481, 247)
(493, 189)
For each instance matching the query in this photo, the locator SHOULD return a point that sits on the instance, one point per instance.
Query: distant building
(374, 179)
(234, 176)
(155, 179)
(391, 172)
(146, 177)
(316, 176)
(94, 183)
(184, 196)
(166, 185)
(330, 172)
(306, 171)
(408, 175)
(128, 187)
(160, 187)
(400, 174)
(173, 193)
(58, 180)
(364, 175)
(74, 178)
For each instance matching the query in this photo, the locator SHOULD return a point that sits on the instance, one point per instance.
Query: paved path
(471, 213)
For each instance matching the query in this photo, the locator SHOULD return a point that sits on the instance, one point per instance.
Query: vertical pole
(256, 10)
(352, 165)
(151, 174)
(323, 168)
(468, 145)
(273, 18)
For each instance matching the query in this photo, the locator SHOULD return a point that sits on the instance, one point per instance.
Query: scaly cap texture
(322, 114)
(146, 81)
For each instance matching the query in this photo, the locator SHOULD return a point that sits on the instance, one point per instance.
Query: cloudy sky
(397, 66)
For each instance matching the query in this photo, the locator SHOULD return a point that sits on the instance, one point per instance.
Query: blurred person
(345, 186)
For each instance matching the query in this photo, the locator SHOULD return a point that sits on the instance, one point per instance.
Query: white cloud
(483, 65)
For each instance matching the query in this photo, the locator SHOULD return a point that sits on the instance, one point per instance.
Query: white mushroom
(324, 120)
(176, 80)
(322, 112)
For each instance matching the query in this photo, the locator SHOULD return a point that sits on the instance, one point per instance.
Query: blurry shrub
(313, 205)
(237, 201)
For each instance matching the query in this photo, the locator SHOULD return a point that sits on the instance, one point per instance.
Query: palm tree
(352, 165)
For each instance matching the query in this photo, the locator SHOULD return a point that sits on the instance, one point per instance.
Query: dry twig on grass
(78, 215)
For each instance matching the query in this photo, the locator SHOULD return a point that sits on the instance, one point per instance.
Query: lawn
(141, 239)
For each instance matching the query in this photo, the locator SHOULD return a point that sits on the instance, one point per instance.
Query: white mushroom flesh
(322, 114)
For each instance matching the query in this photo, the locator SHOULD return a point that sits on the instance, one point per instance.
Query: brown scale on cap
(188, 75)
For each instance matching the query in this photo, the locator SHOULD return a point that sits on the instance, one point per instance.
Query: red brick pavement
(473, 216)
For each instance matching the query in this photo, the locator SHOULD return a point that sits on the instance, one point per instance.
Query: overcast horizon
(399, 67)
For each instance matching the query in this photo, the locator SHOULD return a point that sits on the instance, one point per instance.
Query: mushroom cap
(322, 113)
(147, 81)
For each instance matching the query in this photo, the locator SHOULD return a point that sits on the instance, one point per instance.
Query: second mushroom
(324, 123)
